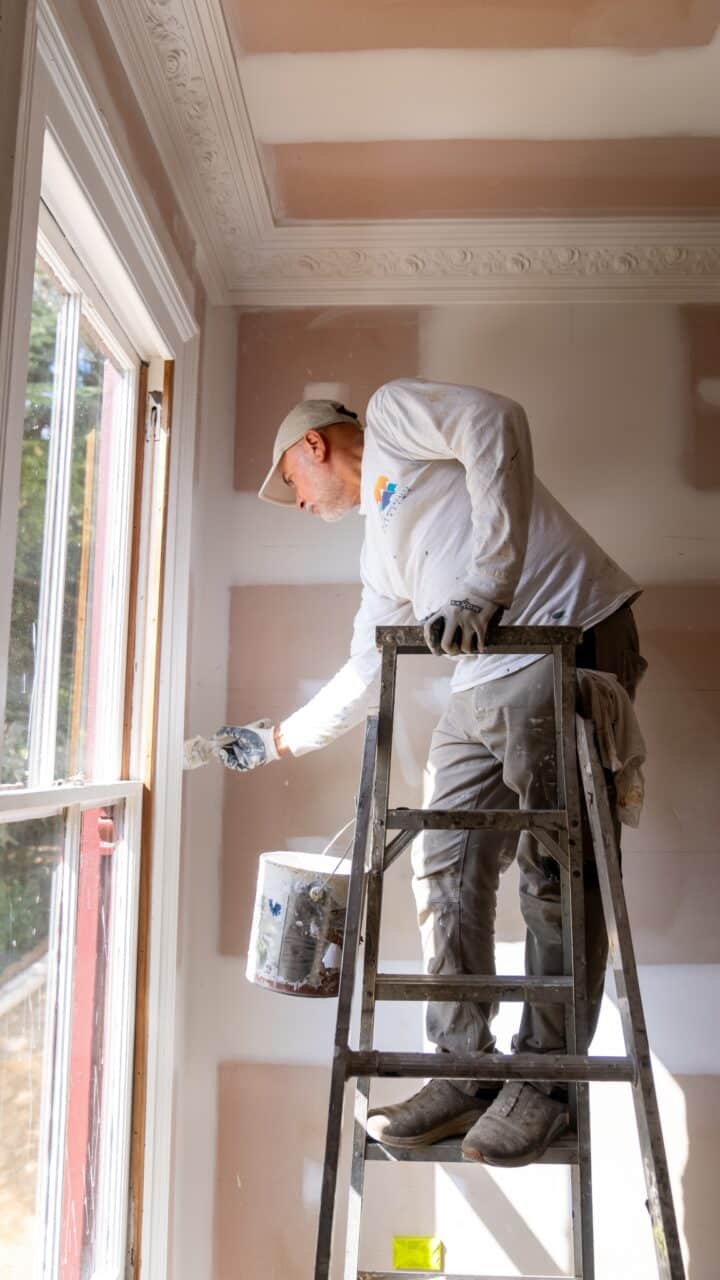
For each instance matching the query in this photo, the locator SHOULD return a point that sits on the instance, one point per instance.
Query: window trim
(54, 246)
(55, 96)
(155, 270)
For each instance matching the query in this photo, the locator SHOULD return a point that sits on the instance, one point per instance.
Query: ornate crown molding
(179, 58)
(487, 265)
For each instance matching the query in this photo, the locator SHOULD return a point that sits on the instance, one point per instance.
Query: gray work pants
(494, 748)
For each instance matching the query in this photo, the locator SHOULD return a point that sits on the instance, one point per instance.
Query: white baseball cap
(308, 415)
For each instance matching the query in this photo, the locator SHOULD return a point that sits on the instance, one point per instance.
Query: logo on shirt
(389, 498)
(384, 490)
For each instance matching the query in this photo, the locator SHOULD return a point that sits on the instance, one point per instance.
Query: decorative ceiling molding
(179, 59)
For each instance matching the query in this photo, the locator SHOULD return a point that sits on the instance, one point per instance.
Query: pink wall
(629, 443)
(280, 351)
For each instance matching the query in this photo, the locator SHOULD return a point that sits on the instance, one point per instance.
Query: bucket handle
(317, 892)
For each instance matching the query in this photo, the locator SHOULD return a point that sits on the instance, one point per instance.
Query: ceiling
(379, 109)
(437, 147)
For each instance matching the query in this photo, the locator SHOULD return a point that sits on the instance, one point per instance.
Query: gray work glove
(244, 747)
(461, 625)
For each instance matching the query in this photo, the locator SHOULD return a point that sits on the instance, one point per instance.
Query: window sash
(19, 803)
(82, 299)
(111, 1219)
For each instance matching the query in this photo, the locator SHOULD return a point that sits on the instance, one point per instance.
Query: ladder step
(564, 1151)
(440, 1275)
(490, 1066)
(477, 819)
(464, 986)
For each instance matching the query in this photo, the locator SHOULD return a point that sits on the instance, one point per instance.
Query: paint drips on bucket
(298, 924)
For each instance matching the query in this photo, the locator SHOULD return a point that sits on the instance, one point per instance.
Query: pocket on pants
(437, 901)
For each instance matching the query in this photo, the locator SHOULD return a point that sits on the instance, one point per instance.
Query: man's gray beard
(334, 513)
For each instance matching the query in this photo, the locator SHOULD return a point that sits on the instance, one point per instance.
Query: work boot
(518, 1127)
(438, 1110)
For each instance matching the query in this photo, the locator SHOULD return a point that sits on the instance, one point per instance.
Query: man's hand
(245, 747)
(461, 626)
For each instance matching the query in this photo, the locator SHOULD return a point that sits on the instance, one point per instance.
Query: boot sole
(514, 1162)
(448, 1129)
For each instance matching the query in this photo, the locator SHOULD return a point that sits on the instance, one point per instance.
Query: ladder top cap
(413, 638)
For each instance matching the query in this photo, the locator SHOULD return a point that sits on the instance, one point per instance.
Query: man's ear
(316, 445)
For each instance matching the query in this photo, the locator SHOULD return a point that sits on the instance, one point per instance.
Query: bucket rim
(313, 863)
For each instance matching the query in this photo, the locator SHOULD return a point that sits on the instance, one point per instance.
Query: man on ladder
(457, 531)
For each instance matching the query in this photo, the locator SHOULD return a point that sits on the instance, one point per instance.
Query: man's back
(434, 523)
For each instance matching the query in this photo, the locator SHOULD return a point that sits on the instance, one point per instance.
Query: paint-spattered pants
(494, 748)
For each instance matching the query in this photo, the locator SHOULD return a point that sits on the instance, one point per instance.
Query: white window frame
(70, 802)
(56, 102)
(82, 299)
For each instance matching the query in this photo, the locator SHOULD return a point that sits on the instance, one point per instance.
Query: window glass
(63, 702)
(98, 416)
(41, 400)
(82, 1174)
(30, 884)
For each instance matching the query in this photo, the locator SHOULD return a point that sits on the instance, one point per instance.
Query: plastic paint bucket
(298, 923)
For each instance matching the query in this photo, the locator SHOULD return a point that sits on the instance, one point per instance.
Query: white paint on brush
(480, 93)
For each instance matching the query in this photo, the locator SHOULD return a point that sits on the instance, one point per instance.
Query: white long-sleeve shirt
(452, 507)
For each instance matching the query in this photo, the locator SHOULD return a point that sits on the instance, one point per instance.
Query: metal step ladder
(558, 831)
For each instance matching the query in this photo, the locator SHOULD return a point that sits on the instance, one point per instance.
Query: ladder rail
(348, 966)
(381, 791)
(666, 1237)
(572, 907)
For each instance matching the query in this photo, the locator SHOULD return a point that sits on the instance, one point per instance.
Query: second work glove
(461, 625)
(246, 746)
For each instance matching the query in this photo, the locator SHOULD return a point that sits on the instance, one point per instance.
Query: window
(70, 822)
(63, 713)
(94, 701)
